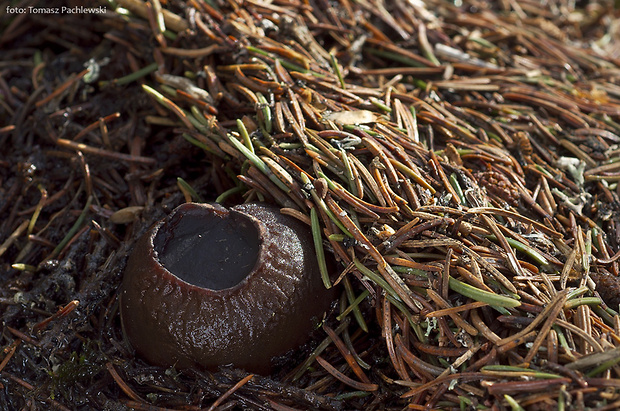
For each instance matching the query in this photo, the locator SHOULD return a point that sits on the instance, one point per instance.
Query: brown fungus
(208, 286)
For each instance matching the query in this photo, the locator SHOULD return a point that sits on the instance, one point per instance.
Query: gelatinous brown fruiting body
(608, 287)
(208, 286)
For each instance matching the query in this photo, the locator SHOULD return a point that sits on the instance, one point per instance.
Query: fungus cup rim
(218, 212)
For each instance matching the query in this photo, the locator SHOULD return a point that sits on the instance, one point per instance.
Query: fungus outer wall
(175, 313)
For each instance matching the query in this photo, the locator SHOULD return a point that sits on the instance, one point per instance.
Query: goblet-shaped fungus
(208, 286)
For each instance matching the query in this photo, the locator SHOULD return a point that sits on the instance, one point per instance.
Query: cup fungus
(208, 286)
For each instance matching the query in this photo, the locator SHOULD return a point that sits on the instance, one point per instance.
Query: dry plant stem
(62, 312)
(122, 384)
(32, 389)
(14, 235)
(171, 20)
(343, 378)
(103, 153)
(512, 259)
(9, 352)
(397, 361)
(347, 355)
(228, 393)
(61, 89)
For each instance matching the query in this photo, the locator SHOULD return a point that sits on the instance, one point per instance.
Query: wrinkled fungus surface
(208, 286)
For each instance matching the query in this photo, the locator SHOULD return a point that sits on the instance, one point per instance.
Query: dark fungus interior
(190, 242)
